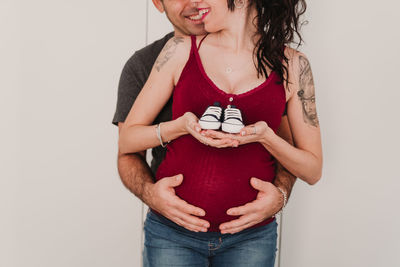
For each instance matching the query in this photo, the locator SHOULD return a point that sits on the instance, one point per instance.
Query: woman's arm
(305, 159)
(137, 134)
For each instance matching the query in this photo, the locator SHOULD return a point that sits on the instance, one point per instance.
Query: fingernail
(243, 133)
(197, 129)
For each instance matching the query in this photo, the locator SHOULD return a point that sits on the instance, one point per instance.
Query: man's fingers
(172, 181)
(194, 221)
(238, 223)
(242, 210)
(239, 228)
(187, 208)
(259, 184)
(188, 221)
(186, 225)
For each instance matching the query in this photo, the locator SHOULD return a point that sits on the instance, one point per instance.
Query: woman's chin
(211, 28)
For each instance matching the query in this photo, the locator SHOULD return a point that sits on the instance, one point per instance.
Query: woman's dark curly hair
(277, 23)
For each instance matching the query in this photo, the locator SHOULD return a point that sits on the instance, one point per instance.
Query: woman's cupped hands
(256, 132)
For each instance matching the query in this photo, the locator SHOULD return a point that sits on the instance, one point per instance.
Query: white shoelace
(232, 113)
(213, 111)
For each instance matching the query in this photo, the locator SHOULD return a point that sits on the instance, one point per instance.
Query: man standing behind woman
(234, 41)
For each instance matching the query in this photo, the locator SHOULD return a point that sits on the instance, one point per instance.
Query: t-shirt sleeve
(131, 82)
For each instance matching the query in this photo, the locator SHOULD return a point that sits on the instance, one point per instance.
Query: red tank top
(216, 179)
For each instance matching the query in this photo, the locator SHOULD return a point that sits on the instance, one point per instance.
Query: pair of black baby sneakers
(214, 117)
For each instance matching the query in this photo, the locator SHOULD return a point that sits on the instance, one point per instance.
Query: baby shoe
(233, 121)
(211, 119)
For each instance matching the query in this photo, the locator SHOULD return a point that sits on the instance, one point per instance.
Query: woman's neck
(239, 32)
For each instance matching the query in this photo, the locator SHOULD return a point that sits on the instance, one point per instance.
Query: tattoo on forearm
(306, 93)
(167, 52)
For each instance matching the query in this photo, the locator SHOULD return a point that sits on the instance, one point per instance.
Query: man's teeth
(200, 15)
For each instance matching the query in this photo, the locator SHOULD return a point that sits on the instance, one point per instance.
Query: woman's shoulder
(296, 58)
(176, 46)
(174, 53)
(297, 62)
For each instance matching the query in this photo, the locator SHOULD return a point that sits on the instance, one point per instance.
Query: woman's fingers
(217, 134)
(207, 140)
(212, 138)
(252, 129)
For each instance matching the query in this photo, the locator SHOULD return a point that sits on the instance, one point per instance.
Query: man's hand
(164, 201)
(268, 202)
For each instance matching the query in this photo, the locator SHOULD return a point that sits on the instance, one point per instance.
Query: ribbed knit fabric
(216, 179)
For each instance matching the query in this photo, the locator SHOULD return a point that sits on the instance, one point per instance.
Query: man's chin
(197, 30)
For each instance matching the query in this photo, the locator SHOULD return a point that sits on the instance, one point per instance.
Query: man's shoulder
(143, 59)
(152, 50)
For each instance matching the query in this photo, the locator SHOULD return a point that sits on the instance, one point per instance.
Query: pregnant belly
(216, 179)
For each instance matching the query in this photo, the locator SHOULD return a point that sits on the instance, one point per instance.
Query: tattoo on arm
(167, 52)
(306, 93)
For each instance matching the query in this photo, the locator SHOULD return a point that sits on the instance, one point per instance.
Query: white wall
(61, 200)
(68, 207)
(349, 218)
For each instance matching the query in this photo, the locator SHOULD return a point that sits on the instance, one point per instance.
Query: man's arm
(284, 179)
(135, 174)
(160, 196)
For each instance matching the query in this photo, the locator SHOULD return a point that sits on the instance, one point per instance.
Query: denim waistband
(205, 235)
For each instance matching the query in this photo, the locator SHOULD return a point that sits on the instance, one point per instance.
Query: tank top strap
(201, 41)
(194, 39)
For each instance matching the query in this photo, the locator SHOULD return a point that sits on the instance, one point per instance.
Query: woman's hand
(191, 126)
(257, 132)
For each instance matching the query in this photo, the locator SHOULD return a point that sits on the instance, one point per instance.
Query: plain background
(61, 200)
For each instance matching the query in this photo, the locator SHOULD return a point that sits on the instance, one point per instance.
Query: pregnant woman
(244, 63)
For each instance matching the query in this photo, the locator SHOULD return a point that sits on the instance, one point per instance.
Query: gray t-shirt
(134, 75)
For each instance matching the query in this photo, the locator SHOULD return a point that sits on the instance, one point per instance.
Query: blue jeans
(168, 244)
